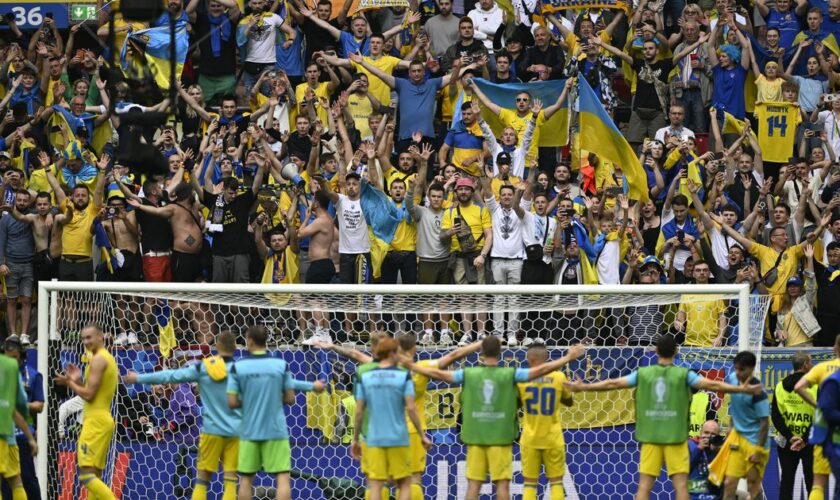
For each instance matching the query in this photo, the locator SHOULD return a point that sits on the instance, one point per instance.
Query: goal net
(153, 453)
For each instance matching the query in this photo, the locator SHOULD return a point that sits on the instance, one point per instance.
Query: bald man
(701, 452)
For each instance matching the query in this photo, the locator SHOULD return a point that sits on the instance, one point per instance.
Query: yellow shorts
(739, 459)
(213, 448)
(94, 440)
(554, 460)
(9, 460)
(494, 460)
(418, 453)
(393, 462)
(821, 465)
(675, 457)
(364, 461)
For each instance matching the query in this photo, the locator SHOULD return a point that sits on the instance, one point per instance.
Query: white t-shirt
(534, 229)
(831, 126)
(262, 40)
(682, 132)
(507, 231)
(353, 234)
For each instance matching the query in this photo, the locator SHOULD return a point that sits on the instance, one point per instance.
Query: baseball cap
(464, 182)
(5, 154)
(503, 158)
(794, 281)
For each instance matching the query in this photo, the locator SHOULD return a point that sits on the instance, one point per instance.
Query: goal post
(201, 310)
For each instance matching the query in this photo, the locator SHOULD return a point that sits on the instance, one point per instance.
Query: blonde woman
(796, 324)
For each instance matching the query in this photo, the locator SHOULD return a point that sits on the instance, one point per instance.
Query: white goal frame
(48, 310)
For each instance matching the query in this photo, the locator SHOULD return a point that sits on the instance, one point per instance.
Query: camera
(112, 211)
(831, 97)
(717, 440)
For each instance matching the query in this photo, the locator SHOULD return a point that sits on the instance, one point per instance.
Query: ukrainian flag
(553, 133)
(156, 51)
(98, 136)
(107, 253)
(166, 333)
(599, 134)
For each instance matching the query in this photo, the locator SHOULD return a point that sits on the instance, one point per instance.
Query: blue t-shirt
(788, 25)
(260, 381)
(691, 379)
(349, 45)
(417, 106)
(216, 417)
(747, 411)
(810, 89)
(520, 375)
(698, 473)
(384, 391)
(290, 60)
(728, 94)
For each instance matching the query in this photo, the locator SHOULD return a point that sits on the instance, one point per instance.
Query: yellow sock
(416, 491)
(230, 488)
(96, 488)
(385, 493)
(200, 490)
(529, 491)
(557, 492)
(19, 493)
(817, 493)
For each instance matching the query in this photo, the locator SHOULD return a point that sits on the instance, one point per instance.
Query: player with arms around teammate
(261, 385)
(13, 401)
(387, 391)
(663, 396)
(542, 440)
(219, 424)
(97, 390)
(488, 403)
(749, 437)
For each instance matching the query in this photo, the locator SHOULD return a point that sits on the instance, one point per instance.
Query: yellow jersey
(475, 216)
(405, 238)
(377, 87)
(76, 239)
(701, 315)
(421, 383)
(361, 109)
(510, 118)
(817, 374)
(497, 183)
(788, 267)
(541, 426)
(283, 268)
(107, 388)
(322, 93)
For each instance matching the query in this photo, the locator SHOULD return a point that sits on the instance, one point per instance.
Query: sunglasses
(521, 99)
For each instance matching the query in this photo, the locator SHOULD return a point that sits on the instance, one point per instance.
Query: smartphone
(49, 15)
(456, 221)
(680, 235)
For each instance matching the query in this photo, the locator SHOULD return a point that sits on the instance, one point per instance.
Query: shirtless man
(121, 227)
(320, 232)
(185, 218)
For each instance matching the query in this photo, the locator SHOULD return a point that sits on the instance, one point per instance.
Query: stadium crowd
(306, 144)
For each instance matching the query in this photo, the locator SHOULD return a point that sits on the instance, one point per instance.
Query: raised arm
(457, 354)
(335, 32)
(538, 371)
(485, 101)
(385, 77)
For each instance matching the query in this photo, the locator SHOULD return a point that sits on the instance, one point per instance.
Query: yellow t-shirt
(361, 109)
(795, 335)
(510, 118)
(817, 374)
(496, 184)
(448, 102)
(377, 87)
(38, 181)
(701, 313)
(768, 91)
(322, 93)
(76, 239)
(573, 41)
(395, 173)
(283, 268)
(421, 383)
(541, 426)
(405, 239)
(475, 216)
(104, 396)
(788, 265)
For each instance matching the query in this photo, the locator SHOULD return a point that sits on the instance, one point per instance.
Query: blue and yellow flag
(553, 133)
(600, 135)
(106, 251)
(166, 333)
(97, 135)
(155, 43)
